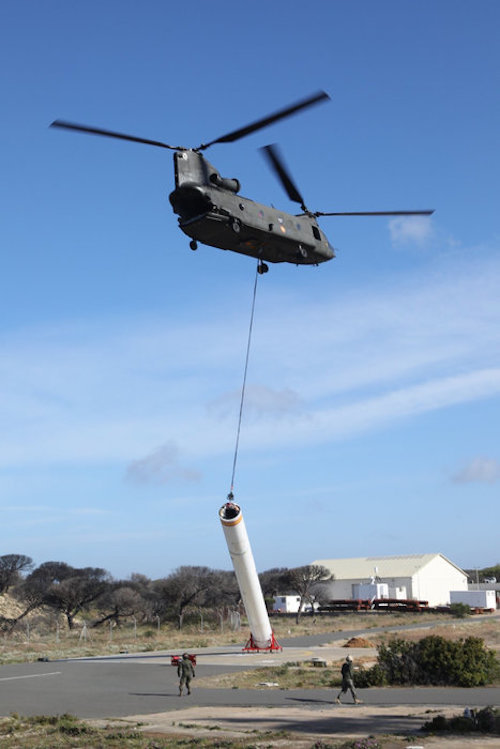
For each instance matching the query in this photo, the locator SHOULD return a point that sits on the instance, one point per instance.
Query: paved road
(142, 686)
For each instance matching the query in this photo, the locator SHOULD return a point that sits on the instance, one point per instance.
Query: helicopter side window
(316, 233)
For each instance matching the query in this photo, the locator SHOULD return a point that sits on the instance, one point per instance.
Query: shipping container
(476, 599)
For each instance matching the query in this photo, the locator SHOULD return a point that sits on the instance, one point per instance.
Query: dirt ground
(301, 728)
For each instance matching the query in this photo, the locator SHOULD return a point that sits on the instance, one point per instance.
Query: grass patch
(287, 676)
(64, 731)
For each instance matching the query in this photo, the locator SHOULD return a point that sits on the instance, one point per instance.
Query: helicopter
(211, 210)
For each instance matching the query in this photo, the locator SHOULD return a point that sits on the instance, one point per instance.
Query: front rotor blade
(377, 213)
(111, 134)
(265, 121)
(276, 163)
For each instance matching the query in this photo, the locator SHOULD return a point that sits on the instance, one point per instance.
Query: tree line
(73, 592)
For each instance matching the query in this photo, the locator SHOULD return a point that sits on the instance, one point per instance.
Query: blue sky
(371, 424)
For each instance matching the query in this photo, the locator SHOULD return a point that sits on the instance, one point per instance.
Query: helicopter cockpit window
(316, 233)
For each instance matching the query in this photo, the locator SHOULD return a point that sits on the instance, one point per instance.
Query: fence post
(83, 633)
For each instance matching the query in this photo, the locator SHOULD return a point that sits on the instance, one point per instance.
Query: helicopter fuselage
(211, 211)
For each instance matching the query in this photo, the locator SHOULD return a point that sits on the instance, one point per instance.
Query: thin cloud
(260, 400)
(416, 230)
(160, 467)
(479, 470)
(97, 394)
(369, 414)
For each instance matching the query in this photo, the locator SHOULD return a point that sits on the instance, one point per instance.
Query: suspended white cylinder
(246, 574)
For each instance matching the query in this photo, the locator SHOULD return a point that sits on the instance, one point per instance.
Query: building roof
(359, 568)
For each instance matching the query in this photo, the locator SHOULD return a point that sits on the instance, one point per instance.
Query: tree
(63, 588)
(144, 586)
(302, 581)
(478, 575)
(118, 602)
(185, 587)
(493, 571)
(76, 591)
(10, 567)
(273, 582)
(32, 591)
(140, 583)
(222, 590)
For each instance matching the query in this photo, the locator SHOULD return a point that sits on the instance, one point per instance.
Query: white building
(422, 577)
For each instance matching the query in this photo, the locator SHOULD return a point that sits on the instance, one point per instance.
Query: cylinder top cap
(229, 511)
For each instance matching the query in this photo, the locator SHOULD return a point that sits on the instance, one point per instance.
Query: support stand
(251, 646)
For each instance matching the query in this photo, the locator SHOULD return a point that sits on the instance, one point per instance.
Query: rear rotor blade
(269, 120)
(276, 163)
(377, 213)
(111, 134)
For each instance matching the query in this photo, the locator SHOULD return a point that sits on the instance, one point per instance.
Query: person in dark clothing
(185, 671)
(347, 681)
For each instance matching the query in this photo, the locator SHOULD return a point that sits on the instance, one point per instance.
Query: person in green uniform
(185, 671)
(347, 681)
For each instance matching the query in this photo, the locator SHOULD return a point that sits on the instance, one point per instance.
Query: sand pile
(358, 642)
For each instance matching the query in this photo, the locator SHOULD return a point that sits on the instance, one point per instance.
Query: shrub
(71, 726)
(460, 610)
(433, 660)
(486, 720)
(370, 677)
(368, 743)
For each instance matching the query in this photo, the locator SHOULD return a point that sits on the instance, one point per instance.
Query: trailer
(346, 604)
(377, 604)
(475, 599)
(400, 604)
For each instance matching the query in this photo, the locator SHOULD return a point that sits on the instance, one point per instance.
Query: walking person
(185, 670)
(347, 681)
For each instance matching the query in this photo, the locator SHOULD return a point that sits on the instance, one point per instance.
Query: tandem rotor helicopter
(212, 212)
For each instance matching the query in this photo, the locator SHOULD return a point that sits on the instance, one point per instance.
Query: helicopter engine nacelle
(233, 185)
(190, 200)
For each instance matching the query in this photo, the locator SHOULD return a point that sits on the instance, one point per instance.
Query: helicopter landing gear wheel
(262, 268)
(235, 225)
(301, 252)
(193, 244)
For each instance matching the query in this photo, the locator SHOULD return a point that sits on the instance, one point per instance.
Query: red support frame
(251, 646)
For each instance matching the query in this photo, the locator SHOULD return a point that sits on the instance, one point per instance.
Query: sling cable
(230, 496)
(231, 517)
